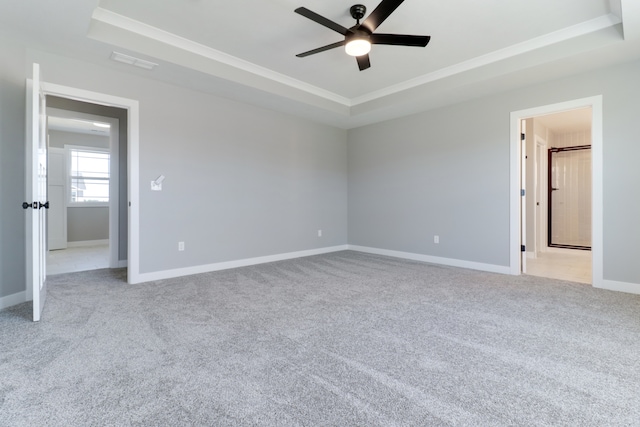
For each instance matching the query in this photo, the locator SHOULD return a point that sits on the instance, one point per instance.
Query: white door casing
(133, 121)
(595, 102)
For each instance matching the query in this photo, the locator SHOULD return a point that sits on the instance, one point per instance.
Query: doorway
(558, 184)
(90, 141)
(533, 245)
(37, 92)
(82, 190)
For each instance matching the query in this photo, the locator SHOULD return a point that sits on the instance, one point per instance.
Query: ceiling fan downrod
(357, 12)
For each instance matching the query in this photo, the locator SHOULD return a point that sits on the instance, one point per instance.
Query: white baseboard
(613, 285)
(531, 255)
(434, 260)
(82, 243)
(13, 299)
(178, 272)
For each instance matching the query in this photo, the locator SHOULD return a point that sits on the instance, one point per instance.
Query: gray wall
(84, 223)
(241, 181)
(59, 138)
(12, 184)
(446, 172)
(87, 223)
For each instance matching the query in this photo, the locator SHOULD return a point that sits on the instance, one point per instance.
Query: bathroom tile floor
(77, 259)
(572, 265)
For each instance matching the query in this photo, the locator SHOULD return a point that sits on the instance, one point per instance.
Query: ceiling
(245, 49)
(567, 122)
(76, 125)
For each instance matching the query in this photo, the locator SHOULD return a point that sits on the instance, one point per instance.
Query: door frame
(133, 162)
(595, 102)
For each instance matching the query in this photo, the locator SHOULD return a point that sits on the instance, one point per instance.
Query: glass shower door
(569, 203)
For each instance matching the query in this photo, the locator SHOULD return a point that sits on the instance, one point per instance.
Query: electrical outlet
(181, 246)
(436, 239)
(319, 233)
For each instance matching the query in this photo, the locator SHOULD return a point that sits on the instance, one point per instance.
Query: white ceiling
(568, 121)
(245, 49)
(75, 125)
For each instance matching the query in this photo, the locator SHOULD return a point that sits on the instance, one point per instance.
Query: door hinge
(522, 192)
(522, 248)
(522, 136)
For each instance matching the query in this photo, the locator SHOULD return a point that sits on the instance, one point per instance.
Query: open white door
(36, 204)
(523, 199)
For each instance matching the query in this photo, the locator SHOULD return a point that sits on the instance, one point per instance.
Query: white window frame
(68, 149)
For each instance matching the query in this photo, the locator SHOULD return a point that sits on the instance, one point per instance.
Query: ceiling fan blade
(380, 13)
(363, 62)
(400, 39)
(321, 49)
(322, 20)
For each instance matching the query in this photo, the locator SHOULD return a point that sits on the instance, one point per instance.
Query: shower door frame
(551, 189)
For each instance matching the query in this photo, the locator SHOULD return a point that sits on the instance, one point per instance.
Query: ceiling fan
(359, 38)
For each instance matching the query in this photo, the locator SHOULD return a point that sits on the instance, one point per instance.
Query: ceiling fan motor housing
(357, 11)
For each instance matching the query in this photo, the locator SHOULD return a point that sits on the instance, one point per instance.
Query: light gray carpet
(344, 339)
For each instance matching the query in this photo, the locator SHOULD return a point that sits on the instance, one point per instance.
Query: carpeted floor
(344, 339)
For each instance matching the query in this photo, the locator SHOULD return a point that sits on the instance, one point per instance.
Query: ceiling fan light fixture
(358, 47)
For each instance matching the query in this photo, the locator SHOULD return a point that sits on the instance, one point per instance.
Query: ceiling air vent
(131, 60)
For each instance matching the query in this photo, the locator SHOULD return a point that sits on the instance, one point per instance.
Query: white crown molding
(568, 33)
(145, 30)
(630, 12)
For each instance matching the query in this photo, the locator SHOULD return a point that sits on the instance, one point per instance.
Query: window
(88, 176)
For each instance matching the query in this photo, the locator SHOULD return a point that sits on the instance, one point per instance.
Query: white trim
(122, 263)
(13, 299)
(595, 102)
(613, 285)
(198, 269)
(85, 243)
(133, 165)
(433, 259)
